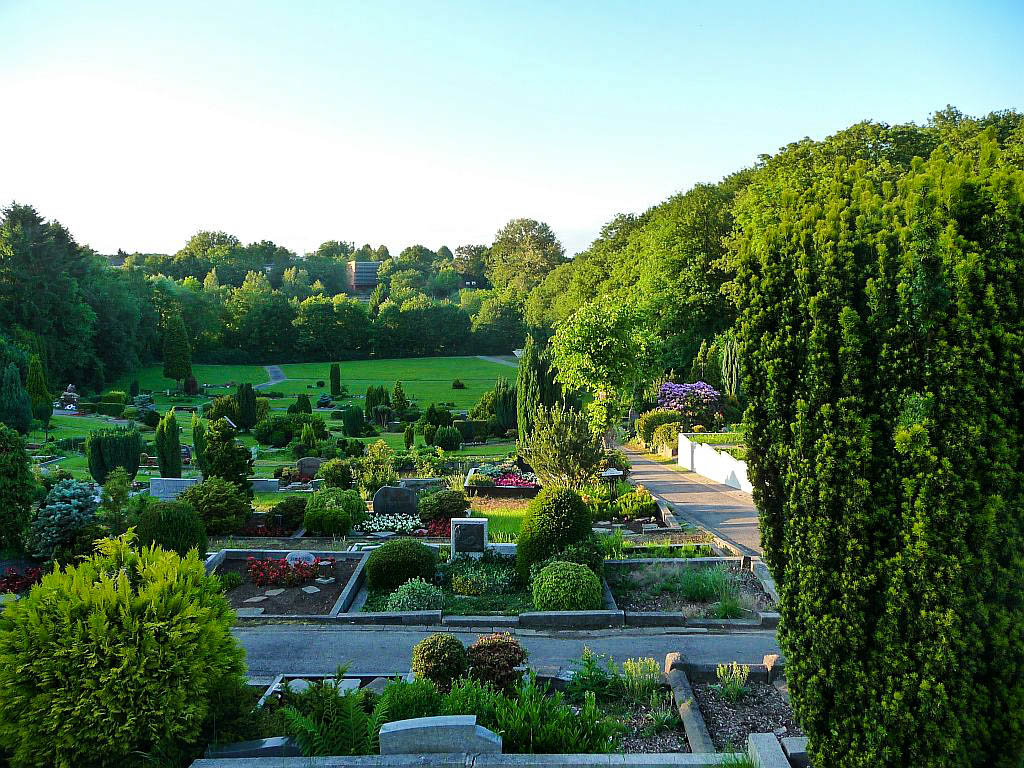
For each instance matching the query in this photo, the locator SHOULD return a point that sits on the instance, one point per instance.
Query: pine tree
(225, 458)
(168, 446)
(199, 443)
(335, 380)
(177, 351)
(15, 405)
(42, 400)
(398, 399)
(245, 397)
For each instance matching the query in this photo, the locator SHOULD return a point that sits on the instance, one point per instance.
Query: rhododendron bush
(697, 403)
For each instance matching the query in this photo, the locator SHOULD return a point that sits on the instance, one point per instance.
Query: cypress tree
(15, 405)
(199, 443)
(42, 400)
(168, 446)
(882, 341)
(535, 386)
(177, 351)
(106, 449)
(245, 397)
(398, 399)
(505, 405)
(335, 380)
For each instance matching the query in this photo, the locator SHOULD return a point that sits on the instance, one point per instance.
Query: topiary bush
(292, 511)
(144, 636)
(666, 435)
(587, 552)
(65, 524)
(336, 473)
(221, 505)
(415, 595)
(173, 525)
(555, 518)
(493, 659)
(650, 421)
(333, 512)
(440, 658)
(443, 505)
(448, 438)
(562, 586)
(395, 562)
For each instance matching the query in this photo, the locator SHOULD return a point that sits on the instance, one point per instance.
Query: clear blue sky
(137, 124)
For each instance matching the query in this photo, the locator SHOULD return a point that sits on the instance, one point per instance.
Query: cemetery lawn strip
(762, 710)
(508, 604)
(293, 601)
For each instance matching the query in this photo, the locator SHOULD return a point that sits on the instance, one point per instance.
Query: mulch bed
(636, 741)
(293, 601)
(762, 710)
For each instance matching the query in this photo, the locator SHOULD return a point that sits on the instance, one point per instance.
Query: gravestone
(300, 556)
(438, 735)
(392, 500)
(469, 536)
(308, 466)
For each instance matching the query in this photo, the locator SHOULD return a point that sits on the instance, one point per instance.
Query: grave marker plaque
(469, 536)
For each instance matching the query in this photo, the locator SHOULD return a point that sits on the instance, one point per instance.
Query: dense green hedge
(883, 339)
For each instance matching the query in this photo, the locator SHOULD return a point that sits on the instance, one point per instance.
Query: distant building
(363, 275)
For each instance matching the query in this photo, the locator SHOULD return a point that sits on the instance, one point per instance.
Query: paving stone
(249, 612)
(311, 590)
(274, 592)
(325, 581)
(257, 599)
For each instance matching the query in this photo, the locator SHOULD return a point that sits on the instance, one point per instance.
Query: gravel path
(275, 374)
(499, 360)
(726, 512)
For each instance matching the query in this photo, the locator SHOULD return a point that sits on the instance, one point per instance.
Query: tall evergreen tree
(245, 397)
(398, 399)
(15, 405)
(16, 487)
(882, 336)
(177, 350)
(226, 458)
(199, 443)
(335, 380)
(42, 400)
(168, 446)
(535, 386)
(107, 449)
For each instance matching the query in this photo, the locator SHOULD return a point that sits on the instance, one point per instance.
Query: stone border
(464, 760)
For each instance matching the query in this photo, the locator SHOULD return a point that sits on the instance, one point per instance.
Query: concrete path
(726, 512)
(318, 649)
(500, 360)
(274, 373)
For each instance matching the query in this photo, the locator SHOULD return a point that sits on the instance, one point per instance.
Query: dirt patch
(649, 589)
(293, 601)
(762, 710)
(638, 738)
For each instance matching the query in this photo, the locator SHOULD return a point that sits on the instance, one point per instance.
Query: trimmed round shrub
(333, 512)
(396, 562)
(129, 606)
(222, 506)
(448, 438)
(556, 518)
(666, 435)
(562, 586)
(587, 552)
(443, 505)
(650, 421)
(173, 525)
(404, 701)
(415, 595)
(336, 473)
(493, 659)
(440, 658)
(292, 511)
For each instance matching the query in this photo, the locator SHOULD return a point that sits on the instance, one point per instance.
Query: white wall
(712, 464)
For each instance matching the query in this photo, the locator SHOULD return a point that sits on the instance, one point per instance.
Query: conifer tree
(399, 401)
(225, 458)
(39, 395)
(177, 350)
(15, 405)
(535, 386)
(168, 446)
(16, 487)
(335, 380)
(245, 398)
(199, 443)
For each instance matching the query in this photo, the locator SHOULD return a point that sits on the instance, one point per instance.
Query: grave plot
(287, 584)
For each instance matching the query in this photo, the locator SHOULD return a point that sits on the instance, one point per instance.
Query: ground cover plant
(700, 591)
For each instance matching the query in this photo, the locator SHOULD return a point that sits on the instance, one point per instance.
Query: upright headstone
(392, 500)
(469, 536)
(308, 466)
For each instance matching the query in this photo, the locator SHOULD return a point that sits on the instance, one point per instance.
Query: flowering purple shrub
(697, 402)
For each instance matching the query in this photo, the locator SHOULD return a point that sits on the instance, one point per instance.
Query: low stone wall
(713, 464)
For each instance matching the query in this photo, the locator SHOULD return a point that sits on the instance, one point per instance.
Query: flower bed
(14, 580)
(735, 707)
(404, 524)
(502, 480)
(286, 586)
(273, 571)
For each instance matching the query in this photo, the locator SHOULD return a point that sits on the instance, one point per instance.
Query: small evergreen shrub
(395, 562)
(405, 701)
(173, 525)
(292, 511)
(65, 523)
(458, 384)
(415, 595)
(586, 552)
(443, 505)
(448, 438)
(666, 435)
(555, 518)
(429, 433)
(221, 505)
(650, 421)
(562, 586)
(336, 473)
(333, 512)
(230, 580)
(636, 504)
(493, 659)
(130, 606)
(440, 658)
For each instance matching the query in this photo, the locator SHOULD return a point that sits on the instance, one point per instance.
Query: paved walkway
(500, 360)
(726, 512)
(274, 373)
(318, 649)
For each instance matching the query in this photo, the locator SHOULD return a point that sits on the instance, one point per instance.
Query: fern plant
(326, 720)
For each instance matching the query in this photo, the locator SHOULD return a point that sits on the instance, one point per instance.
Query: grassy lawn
(509, 604)
(504, 516)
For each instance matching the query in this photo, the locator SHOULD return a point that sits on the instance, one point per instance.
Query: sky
(137, 124)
